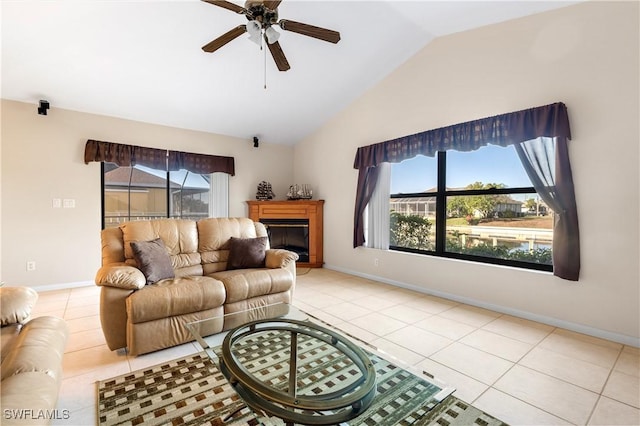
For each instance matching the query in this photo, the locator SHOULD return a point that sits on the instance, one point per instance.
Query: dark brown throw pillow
(153, 260)
(247, 252)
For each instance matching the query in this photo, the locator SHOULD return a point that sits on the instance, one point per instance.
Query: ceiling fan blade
(278, 56)
(225, 38)
(272, 4)
(310, 30)
(227, 5)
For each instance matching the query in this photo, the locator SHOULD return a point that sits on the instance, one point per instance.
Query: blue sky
(488, 164)
(194, 180)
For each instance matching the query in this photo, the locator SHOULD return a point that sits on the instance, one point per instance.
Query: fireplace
(289, 234)
(293, 224)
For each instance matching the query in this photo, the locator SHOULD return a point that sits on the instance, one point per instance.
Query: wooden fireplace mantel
(295, 209)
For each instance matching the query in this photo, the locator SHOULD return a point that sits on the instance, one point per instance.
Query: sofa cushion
(215, 236)
(215, 233)
(153, 260)
(180, 237)
(247, 252)
(243, 284)
(173, 297)
(16, 304)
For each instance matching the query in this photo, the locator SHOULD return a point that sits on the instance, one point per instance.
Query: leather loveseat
(32, 352)
(216, 266)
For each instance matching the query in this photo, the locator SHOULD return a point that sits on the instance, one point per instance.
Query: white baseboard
(63, 286)
(555, 322)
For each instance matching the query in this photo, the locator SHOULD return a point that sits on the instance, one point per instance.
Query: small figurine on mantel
(264, 191)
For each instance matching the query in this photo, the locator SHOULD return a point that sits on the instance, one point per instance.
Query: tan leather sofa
(147, 317)
(32, 353)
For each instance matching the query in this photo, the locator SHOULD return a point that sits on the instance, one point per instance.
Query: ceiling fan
(263, 16)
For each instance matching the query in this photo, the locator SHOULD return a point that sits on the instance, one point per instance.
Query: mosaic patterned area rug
(192, 391)
(186, 391)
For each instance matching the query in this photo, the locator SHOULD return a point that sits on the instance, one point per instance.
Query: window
(189, 195)
(478, 205)
(140, 193)
(539, 135)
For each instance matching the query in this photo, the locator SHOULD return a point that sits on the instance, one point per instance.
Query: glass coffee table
(289, 367)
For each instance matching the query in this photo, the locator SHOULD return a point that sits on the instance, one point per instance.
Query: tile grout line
(604, 385)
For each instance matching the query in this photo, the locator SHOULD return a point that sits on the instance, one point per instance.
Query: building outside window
(477, 205)
(142, 193)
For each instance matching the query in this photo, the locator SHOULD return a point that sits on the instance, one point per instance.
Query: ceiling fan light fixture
(255, 32)
(272, 35)
(256, 39)
(254, 28)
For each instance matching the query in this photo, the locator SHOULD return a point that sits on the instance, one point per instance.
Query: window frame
(440, 196)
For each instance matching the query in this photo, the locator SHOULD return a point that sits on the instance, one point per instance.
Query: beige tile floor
(523, 372)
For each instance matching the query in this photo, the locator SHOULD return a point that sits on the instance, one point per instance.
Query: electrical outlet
(31, 265)
(376, 262)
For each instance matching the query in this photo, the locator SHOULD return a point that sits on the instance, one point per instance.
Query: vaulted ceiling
(142, 60)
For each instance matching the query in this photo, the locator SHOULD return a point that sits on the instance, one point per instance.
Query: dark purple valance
(505, 129)
(203, 164)
(159, 159)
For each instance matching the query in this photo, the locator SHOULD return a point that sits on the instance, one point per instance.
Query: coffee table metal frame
(291, 407)
(279, 315)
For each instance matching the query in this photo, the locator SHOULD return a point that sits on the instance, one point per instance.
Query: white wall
(585, 56)
(43, 158)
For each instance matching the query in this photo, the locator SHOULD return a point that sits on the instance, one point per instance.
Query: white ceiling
(142, 59)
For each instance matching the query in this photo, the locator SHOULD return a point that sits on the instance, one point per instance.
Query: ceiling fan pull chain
(265, 69)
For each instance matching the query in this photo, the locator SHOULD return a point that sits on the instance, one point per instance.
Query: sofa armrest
(38, 348)
(34, 392)
(16, 304)
(32, 371)
(121, 276)
(279, 258)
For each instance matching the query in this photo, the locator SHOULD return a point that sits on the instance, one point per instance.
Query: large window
(478, 205)
(140, 193)
(539, 136)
